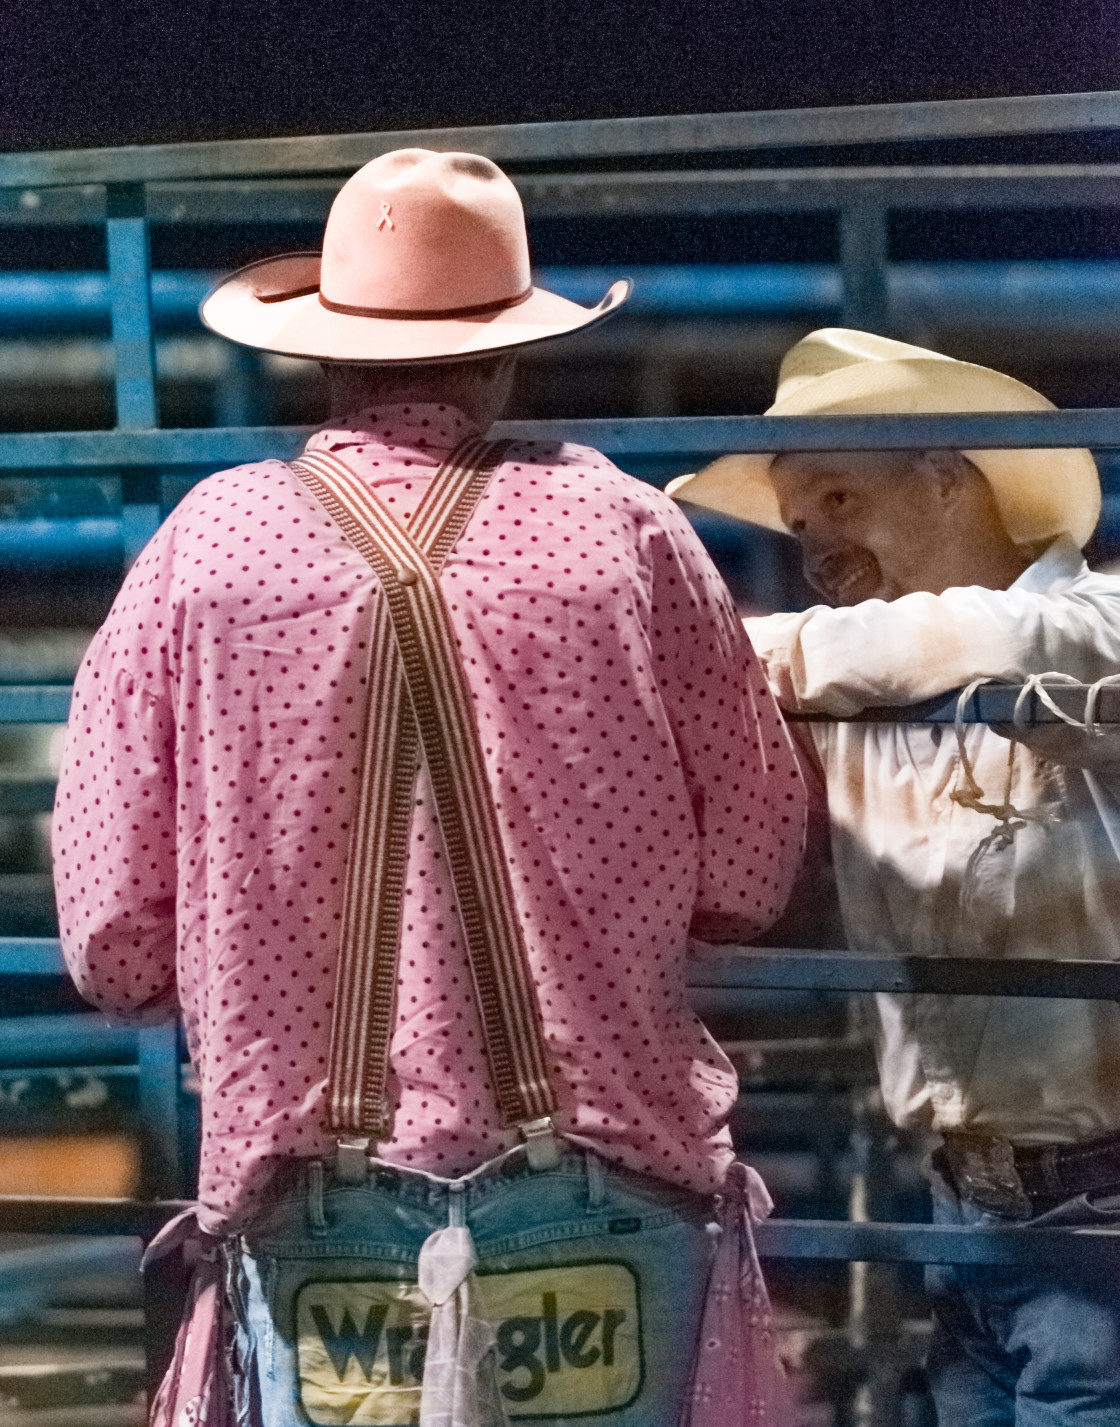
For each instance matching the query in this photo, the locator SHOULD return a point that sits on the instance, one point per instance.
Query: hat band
(425, 314)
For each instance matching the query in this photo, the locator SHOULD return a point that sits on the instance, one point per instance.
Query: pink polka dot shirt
(644, 780)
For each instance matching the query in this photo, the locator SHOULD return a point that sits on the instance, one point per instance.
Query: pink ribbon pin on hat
(425, 258)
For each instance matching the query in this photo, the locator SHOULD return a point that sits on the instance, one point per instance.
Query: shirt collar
(1059, 564)
(415, 426)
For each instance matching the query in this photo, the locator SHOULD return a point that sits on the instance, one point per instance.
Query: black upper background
(91, 72)
(84, 72)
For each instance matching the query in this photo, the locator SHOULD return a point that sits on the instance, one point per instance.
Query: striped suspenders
(420, 708)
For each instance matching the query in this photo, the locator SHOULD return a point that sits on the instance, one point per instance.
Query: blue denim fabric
(585, 1211)
(1014, 1348)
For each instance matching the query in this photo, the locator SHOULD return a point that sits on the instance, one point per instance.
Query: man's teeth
(850, 580)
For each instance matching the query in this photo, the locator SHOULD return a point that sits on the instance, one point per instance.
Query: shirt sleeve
(838, 661)
(743, 778)
(113, 831)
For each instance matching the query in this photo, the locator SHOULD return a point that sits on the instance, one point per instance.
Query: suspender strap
(420, 701)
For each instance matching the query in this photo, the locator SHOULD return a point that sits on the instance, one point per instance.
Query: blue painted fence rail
(1084, 291)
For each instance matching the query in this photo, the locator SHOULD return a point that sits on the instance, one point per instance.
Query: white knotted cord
(1092, 698)
(1010, 818)
(971, 795)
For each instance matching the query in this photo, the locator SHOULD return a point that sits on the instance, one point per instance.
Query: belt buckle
(984, 1172)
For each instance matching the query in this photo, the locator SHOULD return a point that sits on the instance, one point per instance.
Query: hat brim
(738, 485)
(1039, 493)
(300, 326)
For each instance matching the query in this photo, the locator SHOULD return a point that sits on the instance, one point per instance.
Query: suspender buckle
(542, 1144)
(351, 1161)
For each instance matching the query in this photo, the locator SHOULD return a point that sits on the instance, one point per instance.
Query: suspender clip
(351, 1161)
(542, 1144)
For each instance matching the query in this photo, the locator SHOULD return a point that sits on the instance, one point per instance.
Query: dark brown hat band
(422, 315)
(286, 293)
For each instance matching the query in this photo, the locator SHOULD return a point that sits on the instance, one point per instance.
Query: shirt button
(406, 576)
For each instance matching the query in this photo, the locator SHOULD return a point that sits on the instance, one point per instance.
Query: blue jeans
(593, 1278)
(1017, 1348)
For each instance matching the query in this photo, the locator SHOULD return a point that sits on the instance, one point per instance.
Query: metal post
(235, 396)
(130, 306)
(874, 1327)
(158, 1058)
(863, 268)
(141, 509)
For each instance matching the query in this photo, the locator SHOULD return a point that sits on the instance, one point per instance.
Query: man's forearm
(838, 661)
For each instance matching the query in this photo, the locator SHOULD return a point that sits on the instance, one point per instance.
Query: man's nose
(812, 535)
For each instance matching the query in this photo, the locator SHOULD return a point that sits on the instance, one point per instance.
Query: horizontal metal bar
(214, 447)
(26, 797)
(31, 956)
(686, 436)
(775, 1238)
(576, 139)
(715, 981)
(52, 206)
(65, 1040)
(34, 703)
(1079, 292)
(633, 195)
(93, 1388)
(50, 1264)
(41, 1215)
(80, 301)
(823, 1062)
(991, 703)
(935, 1243)
(709, 435)
(307, 201)
(44, 544)
(773, 969)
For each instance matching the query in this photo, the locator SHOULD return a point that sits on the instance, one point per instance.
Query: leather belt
(1013, 1180)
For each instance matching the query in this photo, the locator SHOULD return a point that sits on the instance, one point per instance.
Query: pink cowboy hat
(425, 258)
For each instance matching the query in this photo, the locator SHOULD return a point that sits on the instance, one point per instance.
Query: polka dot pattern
(644, 781)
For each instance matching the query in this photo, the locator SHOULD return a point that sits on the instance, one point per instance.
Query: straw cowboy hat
(425, 258)
(1039, 494)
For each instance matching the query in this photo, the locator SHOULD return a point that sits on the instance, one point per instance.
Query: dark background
(83, 72)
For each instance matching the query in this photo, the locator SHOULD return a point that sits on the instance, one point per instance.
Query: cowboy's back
(600, 649)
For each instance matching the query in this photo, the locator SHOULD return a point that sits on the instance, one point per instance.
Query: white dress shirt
(920, 874)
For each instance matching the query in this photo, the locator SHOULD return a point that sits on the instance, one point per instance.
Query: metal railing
(275, 180)
(583, 140)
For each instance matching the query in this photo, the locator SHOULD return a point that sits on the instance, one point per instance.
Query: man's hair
(417, 381)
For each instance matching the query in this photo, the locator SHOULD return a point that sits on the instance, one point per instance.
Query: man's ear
(953, 473)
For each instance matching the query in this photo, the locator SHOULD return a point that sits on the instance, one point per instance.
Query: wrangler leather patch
(569, 1345)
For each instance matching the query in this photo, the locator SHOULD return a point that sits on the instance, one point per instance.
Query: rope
(1005, 812)
(1092, 728)
(1035, 685)
(972, 795)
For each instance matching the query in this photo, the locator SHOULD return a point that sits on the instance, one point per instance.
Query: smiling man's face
(882, 524)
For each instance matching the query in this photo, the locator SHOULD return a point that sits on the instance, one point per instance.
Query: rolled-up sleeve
(113, 831)
(747, 792)
(838, 661)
